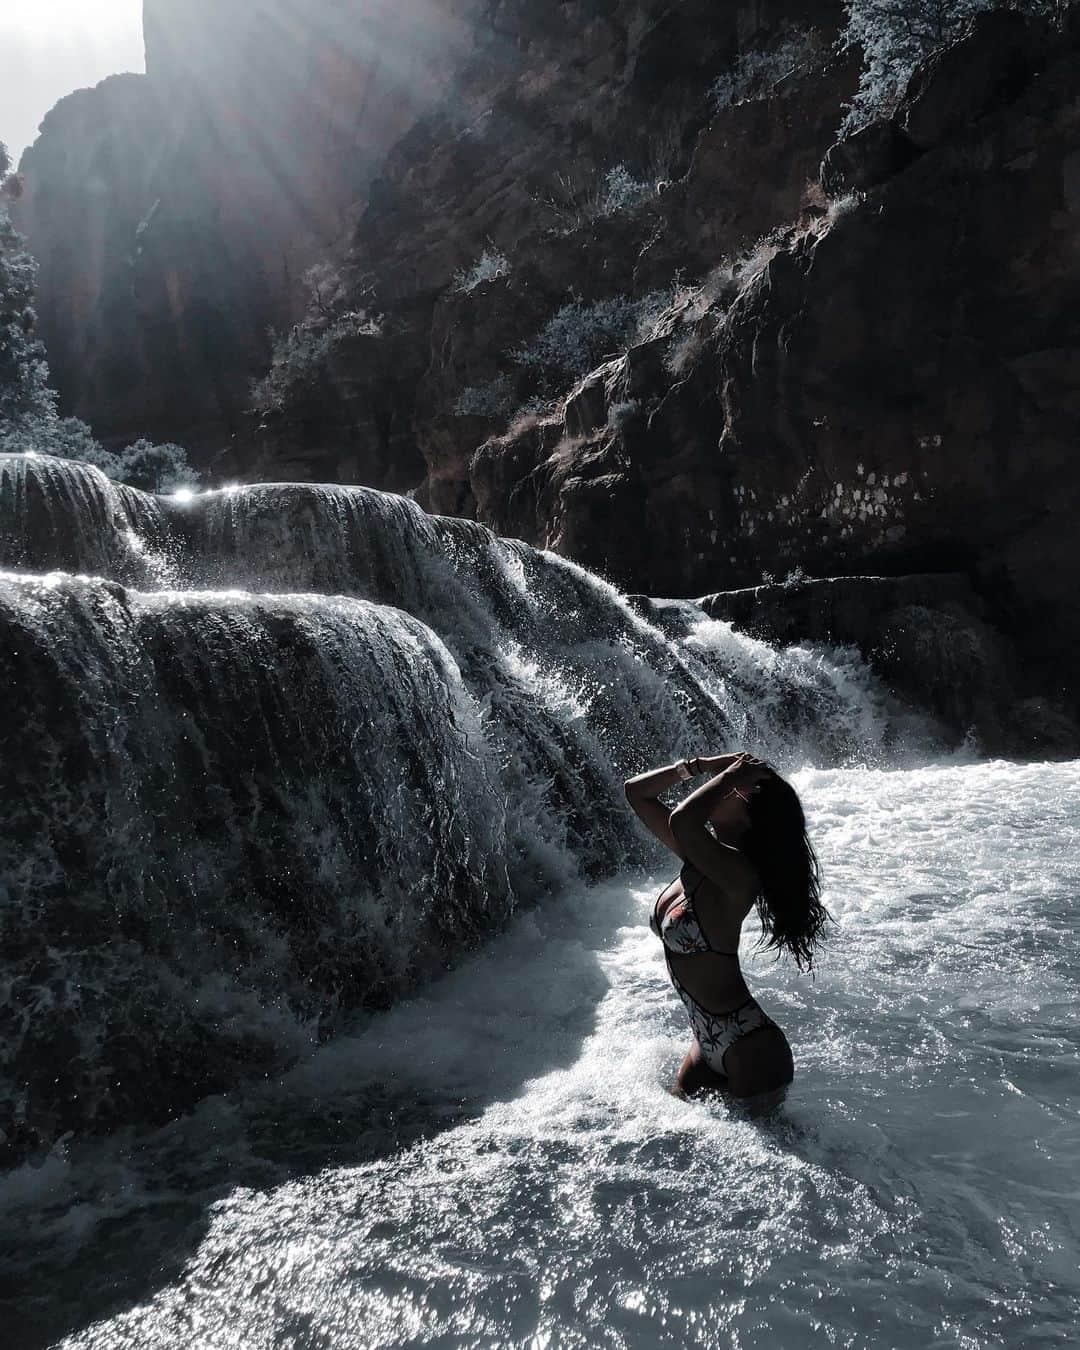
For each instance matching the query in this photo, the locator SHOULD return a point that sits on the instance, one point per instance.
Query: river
(480, 1149)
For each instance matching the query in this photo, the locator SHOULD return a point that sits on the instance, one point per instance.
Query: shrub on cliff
(579, 336)
(490, 264)
(621, 191)
(298, 356)
(492, 400)
(758, 74)
(576, 204)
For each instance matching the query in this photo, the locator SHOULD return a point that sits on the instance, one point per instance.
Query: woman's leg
(695, 1076)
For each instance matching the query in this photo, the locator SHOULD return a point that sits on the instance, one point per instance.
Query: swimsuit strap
(691, 896)
(700, 943)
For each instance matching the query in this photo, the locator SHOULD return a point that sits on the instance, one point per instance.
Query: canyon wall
(895, 388)
(605, 277)
(584, 154)
(174, 214)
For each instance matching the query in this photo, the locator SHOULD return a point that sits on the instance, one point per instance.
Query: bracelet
(683, 769)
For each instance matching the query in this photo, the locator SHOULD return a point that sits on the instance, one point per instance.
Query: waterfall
(274, 754)
(56, 514)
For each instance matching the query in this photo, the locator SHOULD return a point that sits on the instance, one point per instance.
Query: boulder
(964, 81)
(866, 158)
(929, 638)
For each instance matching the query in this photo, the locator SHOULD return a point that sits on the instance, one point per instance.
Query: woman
(757, 854)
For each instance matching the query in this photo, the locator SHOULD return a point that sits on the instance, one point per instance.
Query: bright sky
(50, 47)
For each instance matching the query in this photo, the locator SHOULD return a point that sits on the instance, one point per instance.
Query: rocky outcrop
(581, 152)
(930, 638)
(886, 379)
(870, 156)
(896, 388)
(992, 66)
(174, 214)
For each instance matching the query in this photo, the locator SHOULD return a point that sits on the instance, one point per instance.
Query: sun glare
(45, 15)
(48, 48)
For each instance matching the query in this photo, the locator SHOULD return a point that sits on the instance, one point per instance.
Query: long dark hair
(789, 905)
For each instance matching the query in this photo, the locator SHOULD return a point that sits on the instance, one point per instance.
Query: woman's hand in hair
(746, 772)
(714, 764)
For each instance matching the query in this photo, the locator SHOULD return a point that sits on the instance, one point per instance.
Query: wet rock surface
(274, 756)
(930, 638)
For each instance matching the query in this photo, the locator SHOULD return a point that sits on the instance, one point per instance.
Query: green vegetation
(614, 193)
(576, 339)
(759, 74)
(579, 336)
(25, 395)
(488, 266)
(299, 355)
(493, 399)
(29, 421)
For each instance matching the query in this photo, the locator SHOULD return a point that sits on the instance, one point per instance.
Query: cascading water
(233, 814)
(274, 757)
(80, 521)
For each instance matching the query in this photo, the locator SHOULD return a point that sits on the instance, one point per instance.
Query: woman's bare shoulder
(742, 883)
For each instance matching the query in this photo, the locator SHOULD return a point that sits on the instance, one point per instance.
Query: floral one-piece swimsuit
(680, 930)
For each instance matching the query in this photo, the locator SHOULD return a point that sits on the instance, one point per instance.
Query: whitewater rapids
(498, 1162)
(277, 755)
(276, 758)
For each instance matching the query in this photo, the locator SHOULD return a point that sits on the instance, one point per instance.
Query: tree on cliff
(895, 35)
(24, 376)
(28, 406)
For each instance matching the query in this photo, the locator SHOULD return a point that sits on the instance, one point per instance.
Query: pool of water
(499, 1162)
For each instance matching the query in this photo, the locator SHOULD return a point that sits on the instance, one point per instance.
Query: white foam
(914, 1185)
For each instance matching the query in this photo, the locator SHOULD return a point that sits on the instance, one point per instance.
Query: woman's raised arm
(722, 863)
(642, 792)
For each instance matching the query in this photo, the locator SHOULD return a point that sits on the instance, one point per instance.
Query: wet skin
(761, 1061)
